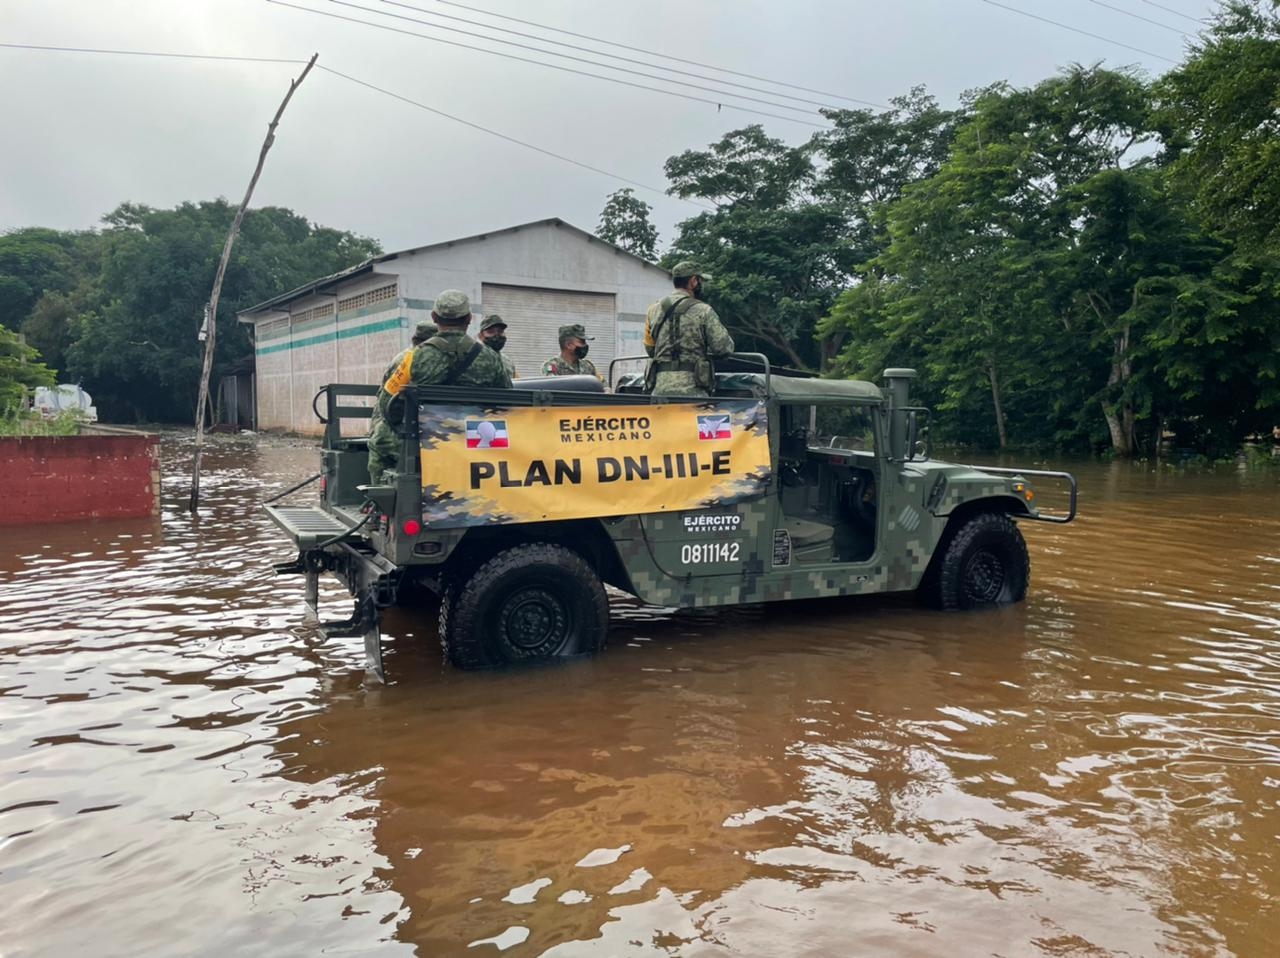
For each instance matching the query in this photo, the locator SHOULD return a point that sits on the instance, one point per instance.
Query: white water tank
(51, 400)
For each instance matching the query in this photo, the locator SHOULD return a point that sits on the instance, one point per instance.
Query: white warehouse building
(538, 277)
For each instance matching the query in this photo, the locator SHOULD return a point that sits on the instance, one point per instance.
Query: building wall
(352, 333)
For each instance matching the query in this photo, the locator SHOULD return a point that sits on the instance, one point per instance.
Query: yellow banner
(489, 465)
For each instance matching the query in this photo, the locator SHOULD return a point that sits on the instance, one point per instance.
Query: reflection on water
(185, 769)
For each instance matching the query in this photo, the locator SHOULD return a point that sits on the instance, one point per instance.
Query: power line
(568, 56)
(146, 53)
(1138, 16)
(1176, 13)
(503, 136)
(1065, 26)
(371, 86)
(600, 53)
(653, 53)
(549, 65)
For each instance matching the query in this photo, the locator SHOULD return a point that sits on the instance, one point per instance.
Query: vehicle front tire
(530, 603)
(982, 563)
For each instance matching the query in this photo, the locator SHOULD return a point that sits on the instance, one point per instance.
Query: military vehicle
(516, 508)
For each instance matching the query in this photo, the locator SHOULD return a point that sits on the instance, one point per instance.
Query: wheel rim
(534, 621)
(984, 577)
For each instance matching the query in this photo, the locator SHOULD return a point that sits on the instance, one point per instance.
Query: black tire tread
(941, 586)
(459, 630)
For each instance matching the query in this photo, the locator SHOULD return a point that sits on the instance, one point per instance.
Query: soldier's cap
(686, 268)
(425, 330)
(574, 330)
(452, 305)
(493, 319)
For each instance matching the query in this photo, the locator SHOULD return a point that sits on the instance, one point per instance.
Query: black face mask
(581, 351)
(496, 343)
(701, 291)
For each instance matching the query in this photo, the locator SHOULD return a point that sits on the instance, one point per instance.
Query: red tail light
(411, 527)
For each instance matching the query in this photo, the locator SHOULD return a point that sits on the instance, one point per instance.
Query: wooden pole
(203, 401)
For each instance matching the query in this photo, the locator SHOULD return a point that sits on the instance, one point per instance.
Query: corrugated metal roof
(318, 285)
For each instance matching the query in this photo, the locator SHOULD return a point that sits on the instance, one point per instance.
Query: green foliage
(134, 332)
(1055, 286)
(624, 222)
(119, 309)
(20, 373)
(1220, 106)
(775, 253)
(65, 422)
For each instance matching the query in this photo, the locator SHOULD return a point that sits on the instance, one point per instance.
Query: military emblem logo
(487, 434)
(714, 427)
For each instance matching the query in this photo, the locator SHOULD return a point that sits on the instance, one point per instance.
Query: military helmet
(574, 330)
(493, 319)
(424, 331)
(686, 268)
(452, 305)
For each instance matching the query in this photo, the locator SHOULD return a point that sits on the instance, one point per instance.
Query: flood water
(186, 770)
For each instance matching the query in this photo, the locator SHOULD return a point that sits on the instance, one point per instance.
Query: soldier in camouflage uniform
(450, 358)
(683, 335)
(380, 433)
(493, 333)
(572, 360)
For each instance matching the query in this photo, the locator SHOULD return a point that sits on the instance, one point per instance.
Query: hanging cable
(1066, 26)
(654, 53)
(552, 66)
(1138, 16)
(667, 67)
(509, 139)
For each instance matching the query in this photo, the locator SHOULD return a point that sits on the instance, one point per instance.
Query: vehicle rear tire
(982, 563)
(530, 603)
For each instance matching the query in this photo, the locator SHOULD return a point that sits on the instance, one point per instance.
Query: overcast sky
(85, 132)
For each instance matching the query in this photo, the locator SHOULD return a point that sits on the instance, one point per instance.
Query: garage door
(534, 317)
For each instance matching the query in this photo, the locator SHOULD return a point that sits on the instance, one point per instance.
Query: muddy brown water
(186, 770)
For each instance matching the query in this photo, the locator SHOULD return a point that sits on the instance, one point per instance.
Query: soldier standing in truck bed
(450, 358)
(380, 433)
(493, 333)
(683, 335)
(572, 360)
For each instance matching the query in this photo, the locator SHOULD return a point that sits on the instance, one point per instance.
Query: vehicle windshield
(842, 427)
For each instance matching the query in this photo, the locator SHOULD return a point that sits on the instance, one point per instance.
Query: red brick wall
(60, 478)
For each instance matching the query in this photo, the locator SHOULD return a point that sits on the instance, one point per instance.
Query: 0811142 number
(699, 553)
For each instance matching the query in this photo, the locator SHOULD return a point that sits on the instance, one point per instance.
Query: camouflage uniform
(556, 366)
(684, 344)
(380, 434)
(429, 364)
(488, 323)
(559, 366)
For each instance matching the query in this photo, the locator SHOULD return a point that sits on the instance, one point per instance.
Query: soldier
(380, 433)
(683, 335)
(493, 333)
(572, 360)
(447, 359)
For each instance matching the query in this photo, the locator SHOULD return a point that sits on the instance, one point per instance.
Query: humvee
(517, 507)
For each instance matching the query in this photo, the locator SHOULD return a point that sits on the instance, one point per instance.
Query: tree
(135, 338)
(624, 222)
(1021, 268)
(1220, 109)
(775, 251)
(19, 372)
